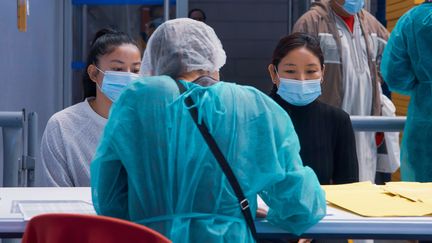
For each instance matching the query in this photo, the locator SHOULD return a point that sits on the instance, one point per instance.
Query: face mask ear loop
(276, 71)
(98, 69)
(97, 84)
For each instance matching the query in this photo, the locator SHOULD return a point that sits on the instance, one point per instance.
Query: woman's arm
(396, 67)
(52, 170)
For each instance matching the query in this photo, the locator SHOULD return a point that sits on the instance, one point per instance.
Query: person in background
(326, 136)
(152, 26)
(154, 167)
(407, 69)
(156, 19)
(71, 135)
(352, 41)
(197, 14)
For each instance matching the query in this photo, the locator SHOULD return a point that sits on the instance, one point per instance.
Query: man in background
(352, 41)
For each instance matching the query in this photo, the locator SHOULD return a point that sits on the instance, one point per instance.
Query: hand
(261, 213)
(305, 241)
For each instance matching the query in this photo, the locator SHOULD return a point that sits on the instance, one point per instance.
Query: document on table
(415, 191)
(30, 208)
(367, 199)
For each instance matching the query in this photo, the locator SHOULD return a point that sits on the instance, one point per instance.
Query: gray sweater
(68, 145)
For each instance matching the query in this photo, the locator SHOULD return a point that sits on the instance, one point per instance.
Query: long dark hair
(294, 41)
(104, 42)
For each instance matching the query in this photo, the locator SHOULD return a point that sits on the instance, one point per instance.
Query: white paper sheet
(30, 209)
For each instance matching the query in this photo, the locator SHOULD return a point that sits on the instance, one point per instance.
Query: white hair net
(182, 45)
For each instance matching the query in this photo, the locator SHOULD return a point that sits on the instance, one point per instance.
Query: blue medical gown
(407, 68)
(154, 168)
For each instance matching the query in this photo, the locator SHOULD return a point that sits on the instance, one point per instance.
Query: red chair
(77, 228)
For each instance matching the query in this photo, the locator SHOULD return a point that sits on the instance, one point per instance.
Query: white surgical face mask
(297, 92)
(115, 82)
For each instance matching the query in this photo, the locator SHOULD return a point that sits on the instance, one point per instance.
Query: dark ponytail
(104, 42)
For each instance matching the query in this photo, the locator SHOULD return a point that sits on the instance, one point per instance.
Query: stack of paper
(30, 209)
(415, 191)
(370, 200)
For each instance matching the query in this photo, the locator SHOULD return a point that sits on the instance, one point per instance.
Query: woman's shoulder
(71, 115)
(249, 95)
(250, 99)
(242, 89)
(153, 83)
(152, 88)
(334, 112)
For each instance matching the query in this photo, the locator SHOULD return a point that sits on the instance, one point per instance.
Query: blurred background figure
(352, 41)
(407, 69)
(197, 14)
(154, 19)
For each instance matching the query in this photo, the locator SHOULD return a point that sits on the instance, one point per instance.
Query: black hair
(197, 10)
(294, 41)
(105, 41)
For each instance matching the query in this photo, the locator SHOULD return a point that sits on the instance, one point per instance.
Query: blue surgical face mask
(353, 6)
(299, 93)
(115, 82)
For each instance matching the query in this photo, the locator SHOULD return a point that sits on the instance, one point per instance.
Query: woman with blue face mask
(71, 135)
(326, 136)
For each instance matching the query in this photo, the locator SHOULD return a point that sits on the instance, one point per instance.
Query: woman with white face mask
(326, 136)
(72, 135)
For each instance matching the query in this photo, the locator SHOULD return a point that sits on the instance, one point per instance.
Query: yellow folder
(369, 200)
(415, 191)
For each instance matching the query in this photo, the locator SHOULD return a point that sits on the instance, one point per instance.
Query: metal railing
(20, 142)
(378, 123)
(20, 146)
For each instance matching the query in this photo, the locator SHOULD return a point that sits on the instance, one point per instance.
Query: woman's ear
(92, 72)
(272, 71)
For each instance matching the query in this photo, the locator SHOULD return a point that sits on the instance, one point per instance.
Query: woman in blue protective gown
(407, 69)
(154, 168)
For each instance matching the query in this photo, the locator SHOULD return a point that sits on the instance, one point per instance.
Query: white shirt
(68, 145)
(357, 80)
(358, 92)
